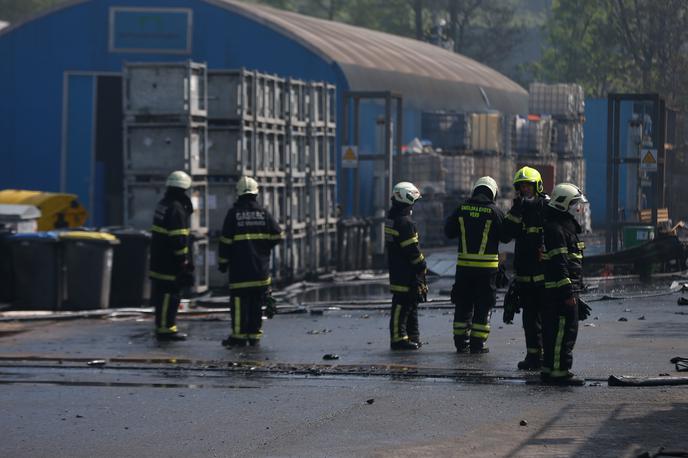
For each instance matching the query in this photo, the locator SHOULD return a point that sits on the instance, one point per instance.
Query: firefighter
(563, 281)
(478, 225)
(171, 266)
(524, 222)
(407, 268)
(248, 235)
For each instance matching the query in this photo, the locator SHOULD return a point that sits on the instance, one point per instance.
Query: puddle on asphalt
(344, 292)
(193, 386)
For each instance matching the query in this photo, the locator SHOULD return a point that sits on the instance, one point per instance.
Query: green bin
(636, 235)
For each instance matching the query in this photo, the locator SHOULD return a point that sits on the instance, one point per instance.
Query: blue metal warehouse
(60, 81)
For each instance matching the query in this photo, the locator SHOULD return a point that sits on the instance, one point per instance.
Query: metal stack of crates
(321, 177)
(280, 132)
(565, 103)
(165, 129)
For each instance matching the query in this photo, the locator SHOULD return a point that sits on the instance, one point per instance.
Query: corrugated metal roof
(427, 76)
(374, 60)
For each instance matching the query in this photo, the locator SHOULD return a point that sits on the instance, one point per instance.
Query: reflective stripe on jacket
(248, 235)
(170, 239)
(525, 223)
(478, 224)
(405, 260)
(564, 254)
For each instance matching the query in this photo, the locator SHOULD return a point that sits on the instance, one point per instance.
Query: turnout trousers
(165, 296)
(474, 296)
(559, 332)
(532, 300)
(403, 324)
(247, 315)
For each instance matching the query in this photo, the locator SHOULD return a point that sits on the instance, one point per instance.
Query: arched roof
(423, 73)
(427, 76)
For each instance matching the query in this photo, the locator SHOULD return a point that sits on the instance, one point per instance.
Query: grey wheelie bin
(130, 284)
(37, 279)
(88, 266)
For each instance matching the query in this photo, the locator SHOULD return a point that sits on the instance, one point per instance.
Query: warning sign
(349, 157)
(648, 160)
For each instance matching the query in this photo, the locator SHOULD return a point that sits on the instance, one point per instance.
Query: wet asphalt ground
(197, 398)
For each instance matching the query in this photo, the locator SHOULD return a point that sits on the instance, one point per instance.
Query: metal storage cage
(165, 89)
(448, 131)
(296, 107)
(157, 148)
(297, 206)
(231, 95)
(143, 193)
(298, 151)
(270, 95)
(271, 152)
(200, 256)
(231, 150)
(221, 197)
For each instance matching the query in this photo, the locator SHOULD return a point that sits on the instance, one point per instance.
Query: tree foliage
(618, 45)
(18, 10)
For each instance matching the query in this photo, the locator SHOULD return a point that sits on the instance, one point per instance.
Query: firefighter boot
(461, 344)
(569, 379)
(170, 336)
(532, 362)
(477, 345)
(230, 342)
(404, 345)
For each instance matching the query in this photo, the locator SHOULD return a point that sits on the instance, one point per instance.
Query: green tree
(19, 10)
(618, 46)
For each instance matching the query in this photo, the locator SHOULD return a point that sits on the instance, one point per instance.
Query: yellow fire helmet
(529, 175)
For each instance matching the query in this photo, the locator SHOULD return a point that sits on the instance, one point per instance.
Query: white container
(19, 218)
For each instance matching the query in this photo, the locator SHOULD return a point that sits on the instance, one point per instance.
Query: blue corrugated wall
(595, 152)
(37, 54)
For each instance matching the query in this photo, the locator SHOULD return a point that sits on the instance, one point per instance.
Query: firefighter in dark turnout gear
(171, 266)
(563, 281)
(478, 225)
(525, 222)
(248, 235)
(407, 268)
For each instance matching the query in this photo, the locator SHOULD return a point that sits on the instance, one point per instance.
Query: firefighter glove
(270, 304)
(422, 294)
(502, 280)
(584, 310)
(512, 304)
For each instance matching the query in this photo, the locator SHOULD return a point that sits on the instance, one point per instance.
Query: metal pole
(389, 160)
(616, 165)
(344, 190)
(357, 170)
(610, 173)
(400, 126)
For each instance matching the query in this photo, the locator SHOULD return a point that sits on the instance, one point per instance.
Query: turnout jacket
(525, 223)
(170, 254)
(478, 224)
(405, 260)
(248, 235)
(564, 255)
